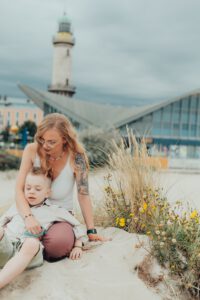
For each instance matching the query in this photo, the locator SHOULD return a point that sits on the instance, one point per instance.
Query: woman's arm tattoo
(82, 175)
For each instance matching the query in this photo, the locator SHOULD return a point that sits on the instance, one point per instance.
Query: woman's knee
(59, 241)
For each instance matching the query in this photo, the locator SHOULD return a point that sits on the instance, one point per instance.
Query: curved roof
(95, 114)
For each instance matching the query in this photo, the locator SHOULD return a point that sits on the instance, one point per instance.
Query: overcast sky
(130, 51)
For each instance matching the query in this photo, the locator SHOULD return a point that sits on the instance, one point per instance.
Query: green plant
(98, 144)
(135, 204)
(8, 162)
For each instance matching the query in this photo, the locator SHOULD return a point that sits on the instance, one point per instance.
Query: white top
(62, 186)
(46, 214)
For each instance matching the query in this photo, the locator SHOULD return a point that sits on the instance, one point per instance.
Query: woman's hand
(94, 237)
(76, 253)
(32, 225)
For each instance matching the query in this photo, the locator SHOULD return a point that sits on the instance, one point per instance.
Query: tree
(6, 134)
(30, 126)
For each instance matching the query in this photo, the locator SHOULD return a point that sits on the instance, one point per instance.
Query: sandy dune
(105, 271)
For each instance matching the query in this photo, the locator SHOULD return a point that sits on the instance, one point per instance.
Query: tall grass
(129, 184)
(134, 203)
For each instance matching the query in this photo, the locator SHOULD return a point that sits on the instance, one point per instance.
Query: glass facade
(178, 120)
(174, 128)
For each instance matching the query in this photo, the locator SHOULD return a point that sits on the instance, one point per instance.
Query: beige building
(15, 111)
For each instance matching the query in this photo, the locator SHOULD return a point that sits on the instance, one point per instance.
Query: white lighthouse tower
(63, 42)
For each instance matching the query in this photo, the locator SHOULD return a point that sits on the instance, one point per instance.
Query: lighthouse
(63, 42)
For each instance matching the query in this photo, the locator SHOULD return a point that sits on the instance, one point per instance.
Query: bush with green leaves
(8, 162)
(98, 144)
(134, 203)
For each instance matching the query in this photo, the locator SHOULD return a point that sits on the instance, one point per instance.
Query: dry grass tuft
(129, 186)
(145, 273)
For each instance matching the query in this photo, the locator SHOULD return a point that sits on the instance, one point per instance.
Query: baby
(20, 249)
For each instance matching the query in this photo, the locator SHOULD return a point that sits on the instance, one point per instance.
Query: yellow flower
(145, 206)
(193, 214)
(122, 222)
(117, 221)
(131, 215)
(148, 232)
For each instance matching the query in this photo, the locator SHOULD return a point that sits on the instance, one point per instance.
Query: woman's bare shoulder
(31, 149)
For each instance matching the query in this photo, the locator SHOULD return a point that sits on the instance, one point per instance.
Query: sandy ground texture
(106, 271)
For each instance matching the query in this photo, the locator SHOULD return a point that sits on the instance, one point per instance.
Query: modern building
(171, 127)
(15, 111)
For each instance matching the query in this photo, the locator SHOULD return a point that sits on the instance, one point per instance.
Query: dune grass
(134, 203)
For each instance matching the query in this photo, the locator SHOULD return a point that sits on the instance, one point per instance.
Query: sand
(106, 271)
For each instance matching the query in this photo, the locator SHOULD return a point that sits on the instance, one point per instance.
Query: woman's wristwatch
(92, 231)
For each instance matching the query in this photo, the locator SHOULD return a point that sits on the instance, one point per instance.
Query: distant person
(57, 150)
(20, 249)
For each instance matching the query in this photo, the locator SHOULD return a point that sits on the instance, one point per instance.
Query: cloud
(146, 50)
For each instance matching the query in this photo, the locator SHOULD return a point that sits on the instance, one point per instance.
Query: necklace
(56, 158)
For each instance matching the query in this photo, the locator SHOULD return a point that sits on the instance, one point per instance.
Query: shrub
(98, 144)
(135, 204)
(8, 162)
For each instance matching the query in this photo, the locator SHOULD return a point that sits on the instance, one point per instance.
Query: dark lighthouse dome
(64, 24)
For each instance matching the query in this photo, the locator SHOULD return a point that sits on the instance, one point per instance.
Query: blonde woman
(57, 150)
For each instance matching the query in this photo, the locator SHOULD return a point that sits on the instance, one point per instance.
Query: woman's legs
(58, 241)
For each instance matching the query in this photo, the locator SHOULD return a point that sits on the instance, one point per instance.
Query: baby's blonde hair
(37, 171)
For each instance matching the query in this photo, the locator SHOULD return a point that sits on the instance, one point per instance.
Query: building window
(35, 117)
(193, 103)
(157, 116)
(175, 129)
(185, 104)
(193, 130)
(193, 117)
(185, 117)
(185, 130)
(26, 116)
(166, 130)
(68, 52)
(17, 116)
(8, 118)
(67, 81)
(176, 106)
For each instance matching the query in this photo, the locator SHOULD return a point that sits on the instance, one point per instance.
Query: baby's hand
(76, 253)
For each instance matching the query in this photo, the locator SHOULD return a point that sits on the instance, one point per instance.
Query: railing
(60, 87)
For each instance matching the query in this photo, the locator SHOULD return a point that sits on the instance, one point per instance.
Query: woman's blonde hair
(68, 133)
